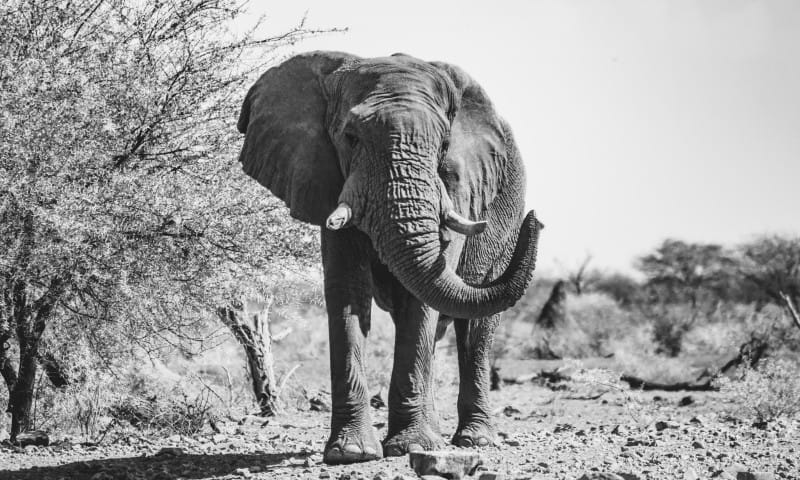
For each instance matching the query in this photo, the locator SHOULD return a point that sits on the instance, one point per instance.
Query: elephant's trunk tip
(340, 217)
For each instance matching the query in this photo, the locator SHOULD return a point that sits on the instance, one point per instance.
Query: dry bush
(600, 318)
(595, 325)
(767, 392)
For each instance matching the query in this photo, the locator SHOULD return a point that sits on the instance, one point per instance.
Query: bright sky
(637, 119)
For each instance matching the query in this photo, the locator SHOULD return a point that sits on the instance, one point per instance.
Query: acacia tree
(679, 271)
(771, 266)
(121, 201)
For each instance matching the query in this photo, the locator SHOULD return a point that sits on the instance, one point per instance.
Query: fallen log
(639, 383)
(552, 376)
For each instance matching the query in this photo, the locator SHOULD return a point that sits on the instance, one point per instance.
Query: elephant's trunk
(406, 236)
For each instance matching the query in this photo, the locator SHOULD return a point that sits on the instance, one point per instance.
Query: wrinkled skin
(400, 161)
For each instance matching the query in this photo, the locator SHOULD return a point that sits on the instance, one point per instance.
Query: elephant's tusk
(340, 217)
(462, 225)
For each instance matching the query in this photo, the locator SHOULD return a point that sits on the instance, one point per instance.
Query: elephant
(418, 188)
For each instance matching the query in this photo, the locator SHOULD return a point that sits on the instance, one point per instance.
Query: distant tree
(122, 208)
(770, 266)
(684, 272)
(622, 288)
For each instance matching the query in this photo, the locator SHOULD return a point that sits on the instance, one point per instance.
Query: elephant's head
(357, 142)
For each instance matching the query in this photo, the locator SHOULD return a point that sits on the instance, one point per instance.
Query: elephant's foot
(412, 439)
(352, 445)
(474, 434)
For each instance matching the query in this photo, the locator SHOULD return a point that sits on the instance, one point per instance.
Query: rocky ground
(569, 432)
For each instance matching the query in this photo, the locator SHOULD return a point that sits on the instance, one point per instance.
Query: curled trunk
(407, 238)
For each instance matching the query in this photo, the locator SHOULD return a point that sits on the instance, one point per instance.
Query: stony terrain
(543, 433)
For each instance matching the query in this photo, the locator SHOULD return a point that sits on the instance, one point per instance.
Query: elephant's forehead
(394, 77)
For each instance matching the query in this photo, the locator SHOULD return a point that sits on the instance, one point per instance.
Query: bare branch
(792, 310)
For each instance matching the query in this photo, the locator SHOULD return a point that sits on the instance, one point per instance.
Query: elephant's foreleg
(348, 301)
(413, 421)
(474, 341)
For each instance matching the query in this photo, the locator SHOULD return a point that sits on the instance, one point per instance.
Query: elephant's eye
(444, 147)
(352, 140)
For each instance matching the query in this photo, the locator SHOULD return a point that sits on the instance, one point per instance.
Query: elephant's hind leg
(474, 340)
(413, 421)
(348, 301)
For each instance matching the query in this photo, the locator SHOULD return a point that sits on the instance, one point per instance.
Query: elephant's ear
(286, 147)
(479, 144)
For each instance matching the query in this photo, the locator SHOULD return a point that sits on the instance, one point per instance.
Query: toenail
(351, 448)
(483, 441)
(334, 452)
(394, 451)
(370, 451)
(415, 447)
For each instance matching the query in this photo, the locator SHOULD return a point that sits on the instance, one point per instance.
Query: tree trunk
(20, 398)
(30, 322)
(7, 370)
(254, 336)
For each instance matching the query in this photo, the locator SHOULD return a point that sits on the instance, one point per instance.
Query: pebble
(492, 476)
(600, 476)
(170, 452)
(450, 464)
(662, 425)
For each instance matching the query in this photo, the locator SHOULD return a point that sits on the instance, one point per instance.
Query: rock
(620, 430)
(661, 425)
(510, 411)
(34, 437)
(748, 475)
(690, 474)
(324, 474)
(243, 472)
(641, 442)
(492, 476)
(449, 464)
(686, 401)
(563, 427)
(319, 404)
(600, 476)
(697, 444)
(170, 452)
(403, 477)
(512, 443)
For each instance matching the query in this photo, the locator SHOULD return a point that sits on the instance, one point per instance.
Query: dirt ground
(543, 433)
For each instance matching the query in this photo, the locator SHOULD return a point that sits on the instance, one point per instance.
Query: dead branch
(792, 310)
(639, 383)
(285, 378)
(280, 336)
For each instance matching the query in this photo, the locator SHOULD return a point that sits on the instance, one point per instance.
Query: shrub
(670, 324)
(173, 414)
(767, 392)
